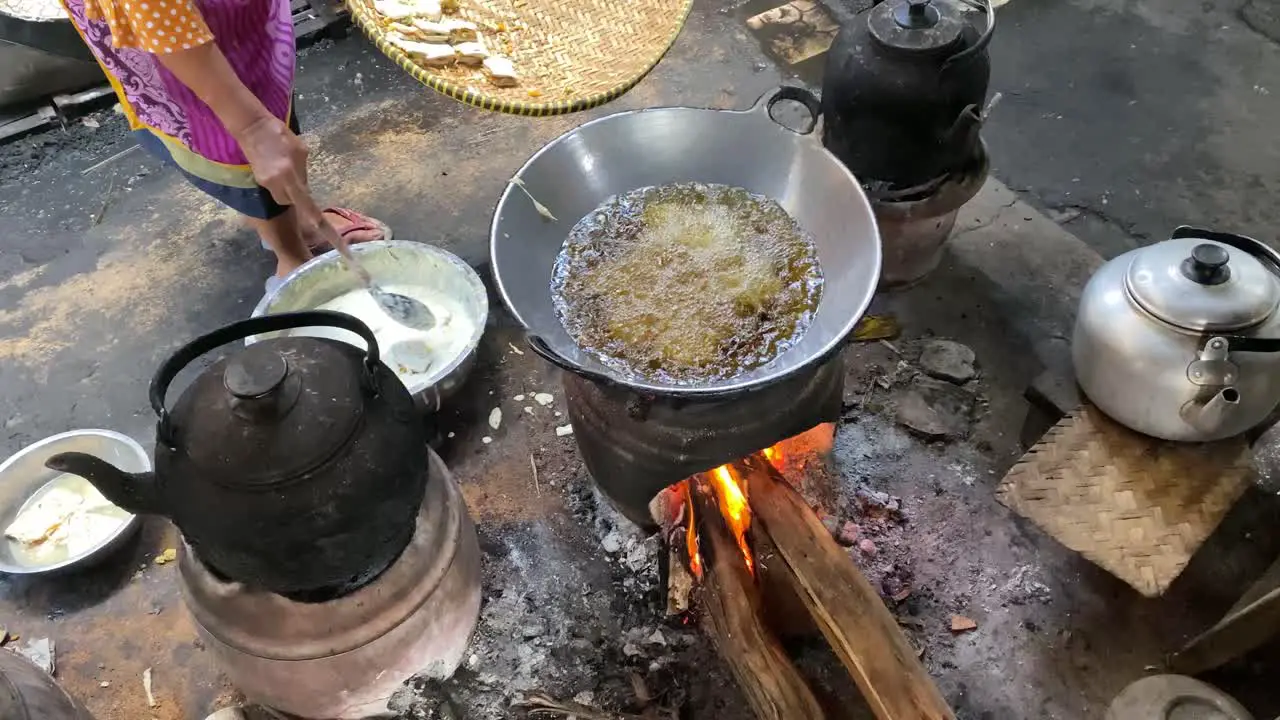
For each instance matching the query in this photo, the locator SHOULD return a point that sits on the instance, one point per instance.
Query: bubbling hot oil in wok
(687, 283)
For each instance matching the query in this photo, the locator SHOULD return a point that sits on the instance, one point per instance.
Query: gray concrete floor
(1130, 118)
(1121, 121)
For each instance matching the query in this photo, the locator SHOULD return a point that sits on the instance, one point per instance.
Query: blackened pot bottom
(329, 592)
(635, 446)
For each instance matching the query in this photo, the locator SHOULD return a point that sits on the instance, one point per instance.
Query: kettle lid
(1202, 285)
(916, 25)
(280, 408)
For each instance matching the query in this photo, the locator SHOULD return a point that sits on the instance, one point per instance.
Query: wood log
(731, 616)
(1251, 622)
(848, 610)
(784, 612)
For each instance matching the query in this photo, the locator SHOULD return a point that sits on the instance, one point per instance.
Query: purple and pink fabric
(256, 36)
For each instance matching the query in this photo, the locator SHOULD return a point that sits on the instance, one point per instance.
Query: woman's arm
(174, 32)
(206, 71)
(278, 156)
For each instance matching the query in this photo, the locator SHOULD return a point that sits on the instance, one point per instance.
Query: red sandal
(359, 224)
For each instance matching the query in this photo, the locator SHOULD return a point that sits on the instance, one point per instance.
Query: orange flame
(691, 536)
(792, 454)
(732, 496)
(733, 505)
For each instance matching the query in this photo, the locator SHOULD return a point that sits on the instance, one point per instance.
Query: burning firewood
(847, 609)
(752, 543)
(670, 510)
(731, 611)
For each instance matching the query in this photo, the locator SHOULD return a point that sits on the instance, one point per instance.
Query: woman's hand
(279, 161)
(278, 156)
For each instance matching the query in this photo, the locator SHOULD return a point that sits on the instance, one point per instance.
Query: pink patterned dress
(256, 36)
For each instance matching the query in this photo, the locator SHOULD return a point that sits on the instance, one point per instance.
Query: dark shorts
(255, 202)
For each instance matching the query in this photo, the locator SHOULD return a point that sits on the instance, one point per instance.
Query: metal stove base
(634, 447)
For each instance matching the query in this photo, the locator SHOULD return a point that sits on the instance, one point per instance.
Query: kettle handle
(988, 7)
(1259, 250)
(242, 329)
(1263, 253)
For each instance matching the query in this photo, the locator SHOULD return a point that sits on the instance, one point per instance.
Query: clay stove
(916, 222)
(635, 446)
(340, 655)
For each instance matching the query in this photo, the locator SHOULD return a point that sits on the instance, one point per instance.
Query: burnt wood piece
(731, 610)
(1254, 620)
(311, 18)
(848, 610)
(1055, 392)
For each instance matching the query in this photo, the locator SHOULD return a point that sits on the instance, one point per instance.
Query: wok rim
(833, 346)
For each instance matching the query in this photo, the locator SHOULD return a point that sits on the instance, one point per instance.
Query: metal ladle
(401, 308)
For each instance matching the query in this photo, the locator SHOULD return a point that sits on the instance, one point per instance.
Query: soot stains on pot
(634, 446)
(904, 86)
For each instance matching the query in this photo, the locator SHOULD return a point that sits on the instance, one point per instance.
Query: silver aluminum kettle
(1181, 339)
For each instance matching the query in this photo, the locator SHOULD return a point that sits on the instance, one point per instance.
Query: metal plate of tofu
(56, 521)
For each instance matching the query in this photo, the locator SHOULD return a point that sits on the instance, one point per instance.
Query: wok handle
(795, 93)
(544, 351)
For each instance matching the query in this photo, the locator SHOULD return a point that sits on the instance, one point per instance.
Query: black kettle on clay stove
(903, 92)
(295, 466)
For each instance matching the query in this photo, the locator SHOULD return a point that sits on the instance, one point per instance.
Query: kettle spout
(1209, 415)
(136, 492)
(964, 135)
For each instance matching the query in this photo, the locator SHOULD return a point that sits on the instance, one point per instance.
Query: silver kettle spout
(1209, 415)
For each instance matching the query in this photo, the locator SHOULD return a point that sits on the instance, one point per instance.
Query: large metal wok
(578, 171)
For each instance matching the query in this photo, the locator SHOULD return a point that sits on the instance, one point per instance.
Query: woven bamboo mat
(1136, 506)
(571, 55)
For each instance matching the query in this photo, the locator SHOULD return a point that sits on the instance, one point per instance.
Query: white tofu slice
(460, 30)
(40, 521)
(429, 9)
(393, 9)
(471, 53)
(431, 54)
(500, 71)
(83, 531)
(430, 31)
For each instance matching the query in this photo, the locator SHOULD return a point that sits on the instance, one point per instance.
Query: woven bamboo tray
(571, 55)
(1136, 506)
